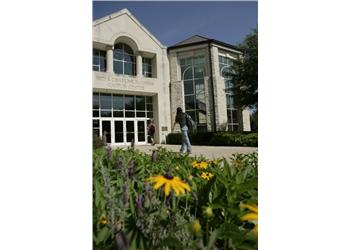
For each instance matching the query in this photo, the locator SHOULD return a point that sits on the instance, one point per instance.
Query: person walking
(151, 130)
(180, 118)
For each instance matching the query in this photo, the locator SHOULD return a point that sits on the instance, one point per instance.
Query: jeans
(185, 140)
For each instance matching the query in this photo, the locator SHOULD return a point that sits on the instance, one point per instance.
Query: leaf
(212, 239)
(171, 242)
(102, 235)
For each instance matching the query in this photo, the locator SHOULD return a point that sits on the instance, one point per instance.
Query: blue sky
(172, 22)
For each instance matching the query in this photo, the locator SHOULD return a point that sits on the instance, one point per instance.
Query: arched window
(124, 60)
(193, 72)
(228, 73)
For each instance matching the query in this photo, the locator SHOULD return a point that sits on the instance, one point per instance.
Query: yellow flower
(199, 165)
(103, 221)
(196, 227)
(252, 217)
(207, 176)
(169, 182)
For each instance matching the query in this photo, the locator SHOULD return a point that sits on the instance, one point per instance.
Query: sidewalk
(209, 152)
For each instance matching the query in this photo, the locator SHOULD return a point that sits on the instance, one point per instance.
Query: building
(136, 79)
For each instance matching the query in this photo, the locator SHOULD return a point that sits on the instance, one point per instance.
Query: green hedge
(217, 139)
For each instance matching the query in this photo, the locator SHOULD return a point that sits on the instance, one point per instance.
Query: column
(109, 59)
(139, 65)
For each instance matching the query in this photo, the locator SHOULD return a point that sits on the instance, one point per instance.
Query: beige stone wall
(123, 27)
(215, 96)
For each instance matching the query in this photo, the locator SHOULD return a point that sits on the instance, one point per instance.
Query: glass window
(147, 67)
(106, 101)
(189, 102)
(129, 102)
(118, 67)
(118, 102)
(193, 72)
(227, 72)
(129, 68)
(140, 103)
(198, 72)
(99, 60)
(188, 74)
(188, 86)
(95, 123)
(118, 114)
(149, 99)
(106, 113)
(123, 60)
(95, 102)
(149, 107)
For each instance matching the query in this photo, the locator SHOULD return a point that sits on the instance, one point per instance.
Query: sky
(173, 22)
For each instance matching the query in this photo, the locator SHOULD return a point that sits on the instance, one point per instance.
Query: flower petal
(250, 216)
(253, 208)
(167, 188)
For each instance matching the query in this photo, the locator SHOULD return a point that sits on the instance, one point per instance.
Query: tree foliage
(246, 84)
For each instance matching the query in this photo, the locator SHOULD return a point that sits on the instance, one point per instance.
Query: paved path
(209, 152)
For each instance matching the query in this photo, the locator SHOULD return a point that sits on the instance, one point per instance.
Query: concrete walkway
(209, 152)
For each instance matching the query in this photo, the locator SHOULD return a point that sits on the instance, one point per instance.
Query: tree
(246, 84)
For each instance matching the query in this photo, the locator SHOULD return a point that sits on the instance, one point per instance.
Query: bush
(217, 139)
(96, 142)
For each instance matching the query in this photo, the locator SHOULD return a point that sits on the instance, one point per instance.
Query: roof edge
(209, 41)
(127, 12)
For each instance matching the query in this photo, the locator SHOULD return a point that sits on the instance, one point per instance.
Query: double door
(124, 131)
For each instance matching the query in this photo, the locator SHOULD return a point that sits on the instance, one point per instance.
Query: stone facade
(166, 85)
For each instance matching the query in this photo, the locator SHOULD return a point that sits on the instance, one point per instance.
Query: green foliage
(246, 84)
(217, 139)
(96, 141)
(129, 214)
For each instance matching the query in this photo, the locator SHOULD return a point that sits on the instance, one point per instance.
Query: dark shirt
(181, 119)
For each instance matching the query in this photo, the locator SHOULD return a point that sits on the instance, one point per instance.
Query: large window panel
(129, 102)
(189, 102)
(188, 86)
(140, 103)
(99, 60)
(198, 72)
(96, 101)
(106, 101)
(118, 102)
(118, 67)
(124, 60)
(193, 72)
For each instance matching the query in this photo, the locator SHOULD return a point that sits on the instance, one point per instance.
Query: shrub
(130, 213)
(96, 142)
(217, 139)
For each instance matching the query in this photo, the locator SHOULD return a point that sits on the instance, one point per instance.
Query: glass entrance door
(130, 131)
(106, 130)
(118, 132)
(141, 131)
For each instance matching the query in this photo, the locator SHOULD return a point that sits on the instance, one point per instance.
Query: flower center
(168, 176)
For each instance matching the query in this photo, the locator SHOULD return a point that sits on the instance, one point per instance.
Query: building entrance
(121, 119)
(124, 131)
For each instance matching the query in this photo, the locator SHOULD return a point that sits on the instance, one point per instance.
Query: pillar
(139, 65)
(109, 59)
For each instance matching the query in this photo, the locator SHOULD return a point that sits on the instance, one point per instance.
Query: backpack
(190, 123)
